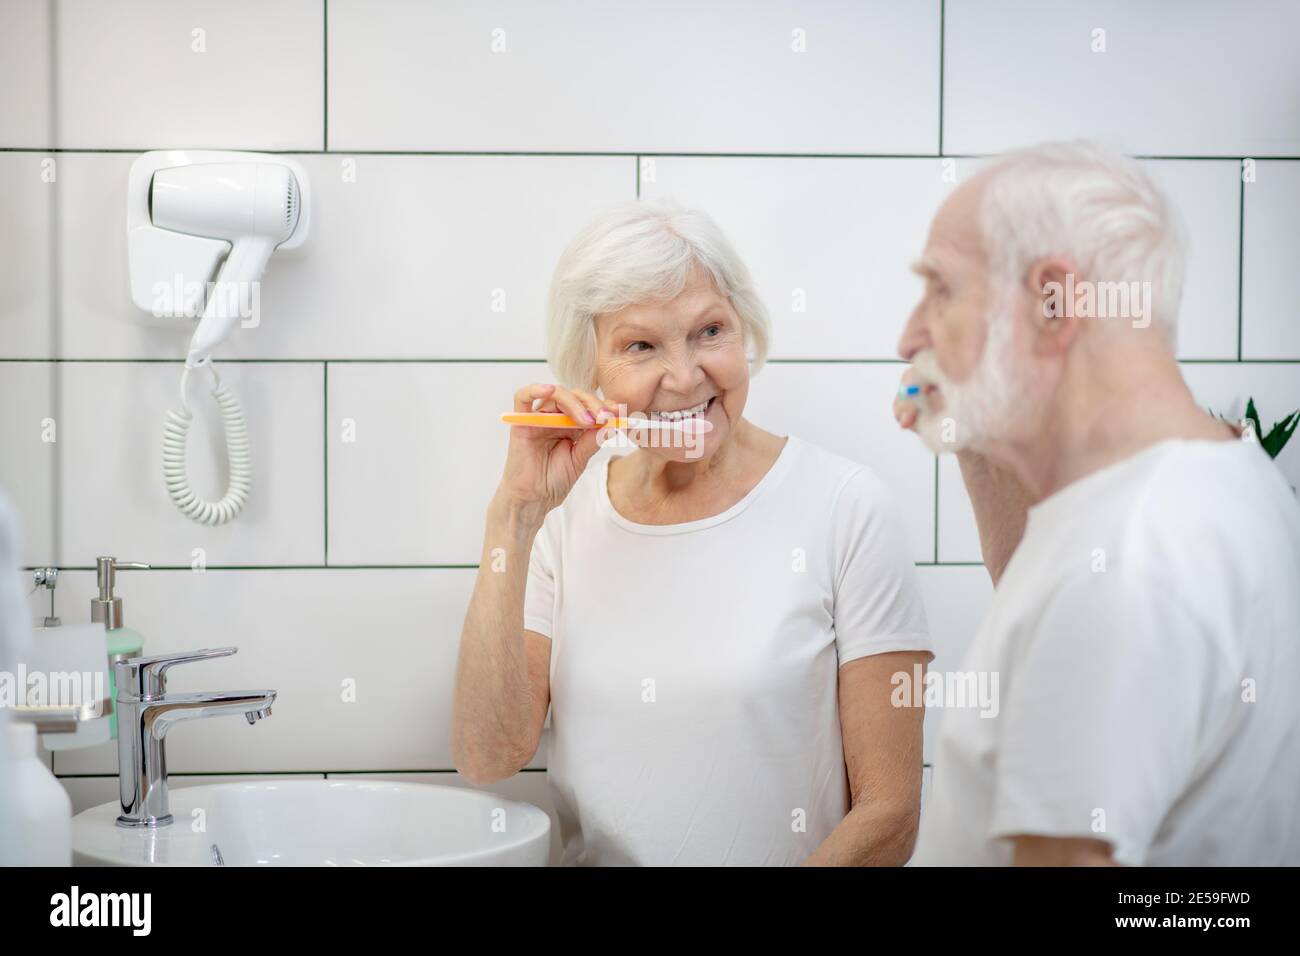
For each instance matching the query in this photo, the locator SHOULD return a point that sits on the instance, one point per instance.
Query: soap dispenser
(123, 642)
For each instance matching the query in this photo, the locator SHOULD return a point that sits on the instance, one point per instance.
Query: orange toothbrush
(697, 426)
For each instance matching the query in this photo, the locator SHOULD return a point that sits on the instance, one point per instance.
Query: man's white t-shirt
(694, 666)
(1146, 633)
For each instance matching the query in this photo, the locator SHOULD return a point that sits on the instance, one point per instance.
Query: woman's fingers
(611, 411)
(568, 402)
(599, 408)
(582, 406)
(524, 397)
(539, 397)
(549, 398)
(579, 405)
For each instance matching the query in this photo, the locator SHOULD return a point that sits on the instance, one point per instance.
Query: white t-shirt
(694, 666)
(1146, 634)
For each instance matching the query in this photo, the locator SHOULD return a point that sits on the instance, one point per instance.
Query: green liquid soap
(123, 642)
(106, 608)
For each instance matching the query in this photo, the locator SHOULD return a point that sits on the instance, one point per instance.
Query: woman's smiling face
(682, 356)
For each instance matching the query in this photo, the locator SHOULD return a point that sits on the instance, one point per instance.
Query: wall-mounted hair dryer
(253, 206)
(184, 210)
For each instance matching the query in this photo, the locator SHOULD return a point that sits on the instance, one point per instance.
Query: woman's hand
(542, 464)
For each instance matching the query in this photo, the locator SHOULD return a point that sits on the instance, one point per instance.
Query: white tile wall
(30, 429)
(430, 257)
(426, 233)
(388, 637)
(828, 240)
(164, 74)
(1225, 387)
(1175, 79)
(26, 82)
(434, 256)
(955, 601)
(415, 455)
(447, 178)
(959, 538)
(1270, 329)
(110, 491)
(586, 76)
(1208, 199)
(30, 196)
(826, 404)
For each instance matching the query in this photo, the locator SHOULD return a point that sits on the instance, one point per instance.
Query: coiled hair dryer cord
(175, 432)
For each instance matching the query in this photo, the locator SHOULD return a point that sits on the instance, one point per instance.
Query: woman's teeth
(695, 411)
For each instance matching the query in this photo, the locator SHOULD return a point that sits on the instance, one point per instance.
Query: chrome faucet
(145, 712)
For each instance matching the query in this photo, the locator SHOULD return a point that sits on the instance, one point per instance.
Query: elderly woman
(716, 624)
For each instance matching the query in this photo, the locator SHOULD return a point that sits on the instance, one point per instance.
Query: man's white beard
(980, 408)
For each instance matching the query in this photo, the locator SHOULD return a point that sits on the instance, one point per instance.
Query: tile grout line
(325, 447)
(1241, 251)
(936, 509)
(473, 360)
(595, 154)
(371, 567)
(325, 43)
(943, 4)
(274, 773)
(296, 773)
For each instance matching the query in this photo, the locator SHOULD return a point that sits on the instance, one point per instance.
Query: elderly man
(1145, 625)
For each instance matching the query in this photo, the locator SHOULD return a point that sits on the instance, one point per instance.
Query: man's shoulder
(1201, 531)
(1216, 505)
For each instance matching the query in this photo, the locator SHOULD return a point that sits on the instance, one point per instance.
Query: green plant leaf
(1280, 434)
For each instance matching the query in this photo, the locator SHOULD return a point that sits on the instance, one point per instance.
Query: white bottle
(39, 817)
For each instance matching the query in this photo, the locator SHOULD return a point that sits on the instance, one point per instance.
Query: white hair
(641, 252)
(1093, 205)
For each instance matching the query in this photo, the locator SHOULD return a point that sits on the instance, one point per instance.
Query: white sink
(321, 823)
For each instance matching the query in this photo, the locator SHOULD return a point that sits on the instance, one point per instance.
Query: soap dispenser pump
(123, 642)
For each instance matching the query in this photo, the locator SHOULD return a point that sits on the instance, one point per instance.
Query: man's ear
(1051, 285)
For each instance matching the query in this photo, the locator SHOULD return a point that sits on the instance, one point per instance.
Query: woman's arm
(502, 671)
(882, 753)
(499, 707)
